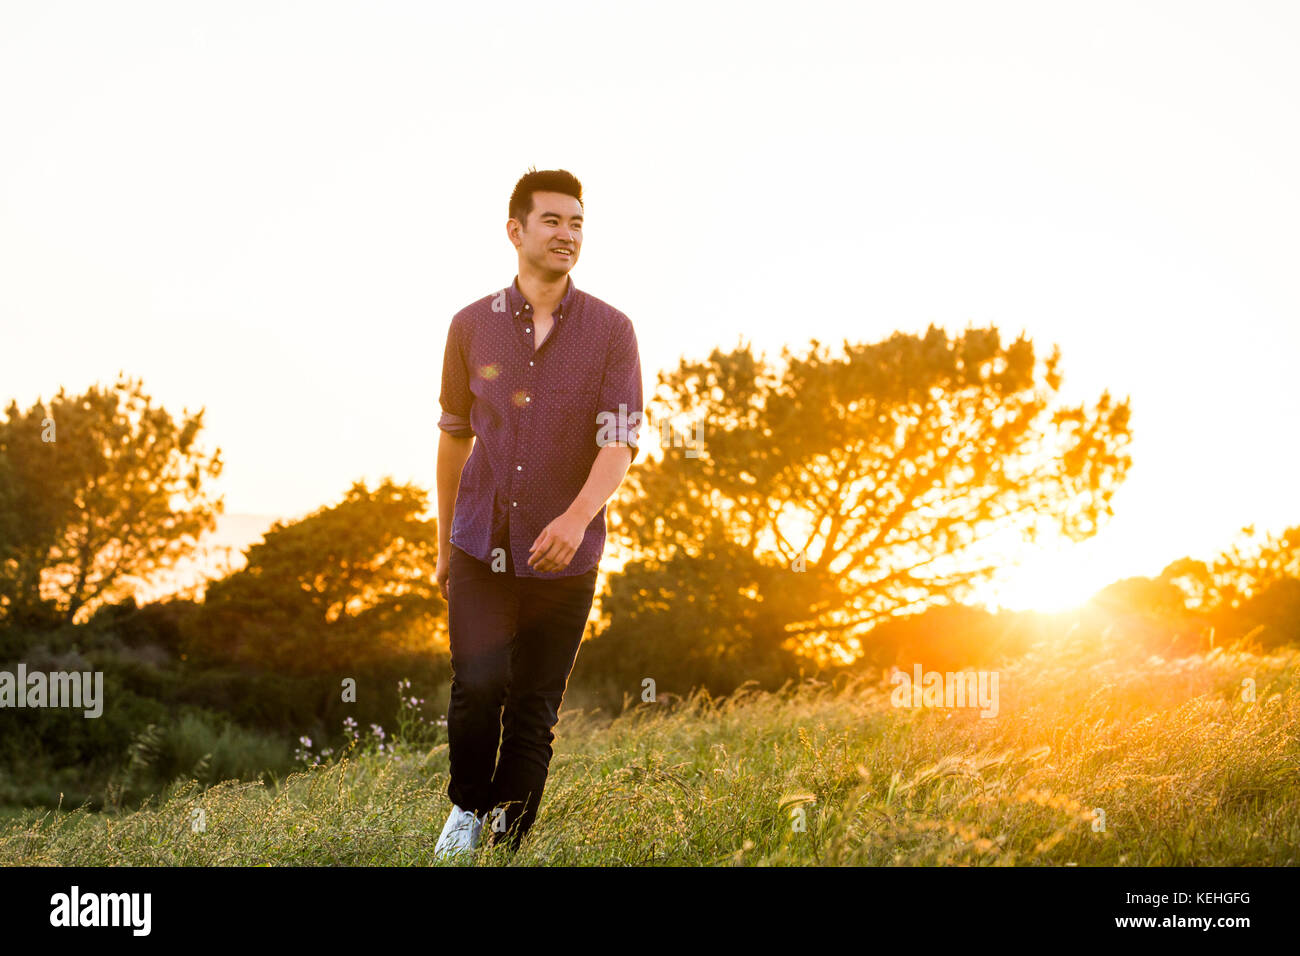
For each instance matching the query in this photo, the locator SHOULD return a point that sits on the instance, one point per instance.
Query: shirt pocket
(577, 395)
(574, 413)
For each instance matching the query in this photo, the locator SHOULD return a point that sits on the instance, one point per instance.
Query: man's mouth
(567, 253)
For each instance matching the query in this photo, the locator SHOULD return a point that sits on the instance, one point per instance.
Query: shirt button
(519, 467)
(530, 363)
(514, 504)
(528, 398)
(527, 330)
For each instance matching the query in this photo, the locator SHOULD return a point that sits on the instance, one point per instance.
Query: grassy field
(1184, 770)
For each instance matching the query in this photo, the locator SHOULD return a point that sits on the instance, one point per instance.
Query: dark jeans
(513, 644)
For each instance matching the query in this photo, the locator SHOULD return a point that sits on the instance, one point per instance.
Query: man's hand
(442, 572)
(558, 543)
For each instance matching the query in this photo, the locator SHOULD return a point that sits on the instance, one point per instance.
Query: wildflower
(377, 731)
(305, 741)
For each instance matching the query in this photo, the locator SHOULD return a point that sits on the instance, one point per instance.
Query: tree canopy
(95, 490)
(872, 478)
(344, 585)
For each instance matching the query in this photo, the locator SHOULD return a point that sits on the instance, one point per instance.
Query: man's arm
(560, 540)
(453, 452)
(607, 473)
(455, 433)
(618, 442)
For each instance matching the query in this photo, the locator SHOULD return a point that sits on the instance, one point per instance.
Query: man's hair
(546, 181)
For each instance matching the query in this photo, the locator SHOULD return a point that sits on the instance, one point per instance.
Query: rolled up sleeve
(621, 401)
(456, 398)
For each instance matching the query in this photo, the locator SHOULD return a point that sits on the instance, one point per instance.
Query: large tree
(96, 490)
(341, 587)
(873, 479)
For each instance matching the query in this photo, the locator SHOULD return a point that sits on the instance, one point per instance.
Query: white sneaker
(460, 833)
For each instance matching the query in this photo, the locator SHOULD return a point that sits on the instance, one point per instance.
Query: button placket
(520, 415)
(523, 424)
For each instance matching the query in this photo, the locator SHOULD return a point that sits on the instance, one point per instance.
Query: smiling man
(541, 407)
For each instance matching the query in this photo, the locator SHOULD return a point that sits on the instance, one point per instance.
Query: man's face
(555, 224)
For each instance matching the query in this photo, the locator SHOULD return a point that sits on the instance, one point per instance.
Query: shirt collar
(517, 300)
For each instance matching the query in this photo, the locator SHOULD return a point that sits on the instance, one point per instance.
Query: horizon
(285, 247)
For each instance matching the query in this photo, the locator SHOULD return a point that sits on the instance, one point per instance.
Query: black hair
(545, 181)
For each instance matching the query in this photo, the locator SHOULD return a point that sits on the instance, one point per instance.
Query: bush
(197, 746)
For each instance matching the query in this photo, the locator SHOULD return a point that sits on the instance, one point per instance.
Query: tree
(1253, 582)
(1239, 573)
(343, 586)
(676, 625)
(1271, 616)
(1251, 565)
(875, 478)
(96, 490)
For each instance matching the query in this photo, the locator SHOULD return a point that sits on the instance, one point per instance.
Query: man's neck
(543, 295)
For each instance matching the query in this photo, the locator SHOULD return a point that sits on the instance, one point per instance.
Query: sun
(1046, 586)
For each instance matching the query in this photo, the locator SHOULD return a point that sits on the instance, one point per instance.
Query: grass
(1185, 771)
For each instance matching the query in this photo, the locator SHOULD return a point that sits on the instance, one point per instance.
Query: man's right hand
(441, 574)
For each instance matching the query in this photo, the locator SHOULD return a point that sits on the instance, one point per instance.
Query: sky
(272, 210)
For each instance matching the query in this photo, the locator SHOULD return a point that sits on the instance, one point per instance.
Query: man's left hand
(558, 543)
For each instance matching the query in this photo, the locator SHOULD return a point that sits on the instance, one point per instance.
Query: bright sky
(273, 210)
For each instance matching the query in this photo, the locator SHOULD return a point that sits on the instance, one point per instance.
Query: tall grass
(1183, 770)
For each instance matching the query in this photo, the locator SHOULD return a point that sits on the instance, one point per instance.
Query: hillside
(1185, 770)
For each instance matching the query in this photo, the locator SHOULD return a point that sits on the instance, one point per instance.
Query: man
(541, 407)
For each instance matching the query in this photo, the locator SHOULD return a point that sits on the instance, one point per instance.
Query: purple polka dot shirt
(539, 416)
